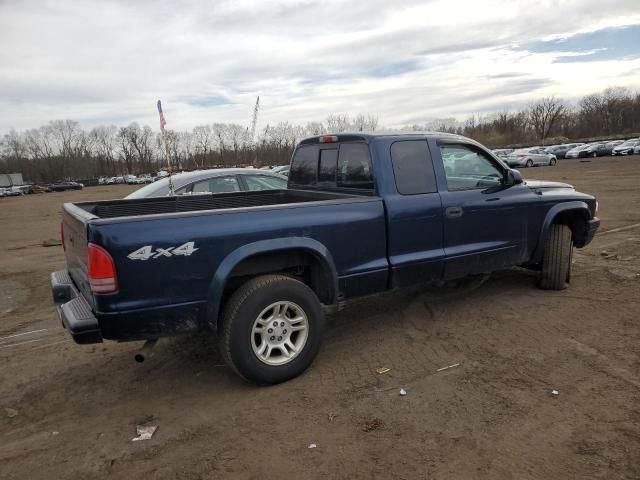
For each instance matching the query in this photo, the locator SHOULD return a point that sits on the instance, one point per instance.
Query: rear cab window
(344, 165)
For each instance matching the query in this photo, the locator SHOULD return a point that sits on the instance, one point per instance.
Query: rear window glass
(304, 166)
(354, 166)
(328, 163)
(412, 167)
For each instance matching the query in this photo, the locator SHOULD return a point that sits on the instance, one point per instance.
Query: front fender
(578, 206)
(217, 286)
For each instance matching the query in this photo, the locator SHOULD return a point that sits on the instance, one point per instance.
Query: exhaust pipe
(146, 351)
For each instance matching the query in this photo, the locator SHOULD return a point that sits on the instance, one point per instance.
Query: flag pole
(163, 122)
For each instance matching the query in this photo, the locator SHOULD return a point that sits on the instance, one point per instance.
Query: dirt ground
(70, 411)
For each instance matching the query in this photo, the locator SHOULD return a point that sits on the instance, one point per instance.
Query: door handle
(453, 212)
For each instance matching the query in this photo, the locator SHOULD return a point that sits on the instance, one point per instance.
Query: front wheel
(594, 154)
(529, 163)
(271, 330)
(557, 258)
(552, 162)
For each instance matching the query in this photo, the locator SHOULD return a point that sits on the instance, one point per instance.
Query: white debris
(312, 445)
(11, 412)
(403, 392)
(144, 433)
(555, 392)
(448, 367)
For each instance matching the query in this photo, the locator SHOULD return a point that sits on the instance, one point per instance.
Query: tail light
(328, 139)
(101, 270)
(62, 236)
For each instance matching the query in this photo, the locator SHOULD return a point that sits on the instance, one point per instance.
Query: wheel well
(297, 263)
(576, 220)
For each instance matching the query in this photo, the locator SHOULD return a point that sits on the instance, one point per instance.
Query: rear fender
(577, 207)
(221, 276)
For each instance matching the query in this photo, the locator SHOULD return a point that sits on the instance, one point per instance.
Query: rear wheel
(557, 258)
(272, 328)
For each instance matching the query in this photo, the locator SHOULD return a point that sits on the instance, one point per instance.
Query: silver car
(626, 148)
(529, 157)
(221, 180)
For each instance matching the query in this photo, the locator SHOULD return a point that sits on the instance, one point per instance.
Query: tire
(552, 162)
(247, 310)
(529, 163)
(594, 155)
(557, 257)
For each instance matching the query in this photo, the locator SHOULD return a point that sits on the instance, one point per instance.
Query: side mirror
(514, 177)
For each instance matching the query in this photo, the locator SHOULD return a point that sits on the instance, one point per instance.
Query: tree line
(63, 150)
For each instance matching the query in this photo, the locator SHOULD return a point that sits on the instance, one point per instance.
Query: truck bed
(192, 203)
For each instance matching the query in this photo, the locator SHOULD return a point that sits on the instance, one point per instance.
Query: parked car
(560, 150)
(9, 192)
(529, 157)
(221, 180)
(144, 178)
(579, 151)
(62, 186)
(626, 148)
(503, 152)
(281, 170)
(609, 146)
(598, 149)
(363, 213)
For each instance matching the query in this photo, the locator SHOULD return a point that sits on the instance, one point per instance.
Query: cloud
(110, 61)
(613, 43)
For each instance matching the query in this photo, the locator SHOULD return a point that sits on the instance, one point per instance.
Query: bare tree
(202, 137)
(544, 114)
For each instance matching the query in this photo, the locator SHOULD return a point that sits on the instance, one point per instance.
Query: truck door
(414, 215)
(484, 221)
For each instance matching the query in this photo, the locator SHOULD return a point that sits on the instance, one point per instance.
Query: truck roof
(368, 136)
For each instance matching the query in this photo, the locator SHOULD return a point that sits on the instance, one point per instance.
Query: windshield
(148, 190)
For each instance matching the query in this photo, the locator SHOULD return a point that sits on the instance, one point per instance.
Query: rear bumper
(84, 326)
(74, 311)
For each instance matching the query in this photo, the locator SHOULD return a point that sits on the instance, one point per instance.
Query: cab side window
(412, 167)
(469, 168)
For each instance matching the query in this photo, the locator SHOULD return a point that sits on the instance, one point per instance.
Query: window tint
(412, 167)
(264, 182)
(216, 185)
(467, 168)
(354, 166)
(328, 162)
(304, 165)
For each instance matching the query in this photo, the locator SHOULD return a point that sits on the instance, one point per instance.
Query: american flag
(163, 122)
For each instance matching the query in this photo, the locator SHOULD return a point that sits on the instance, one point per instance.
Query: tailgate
(74, 225)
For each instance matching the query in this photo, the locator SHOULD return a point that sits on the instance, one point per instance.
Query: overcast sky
(406, 62)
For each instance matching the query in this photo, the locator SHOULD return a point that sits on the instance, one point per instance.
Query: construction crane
(254, 121)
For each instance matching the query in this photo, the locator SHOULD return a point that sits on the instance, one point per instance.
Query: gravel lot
(70, 411)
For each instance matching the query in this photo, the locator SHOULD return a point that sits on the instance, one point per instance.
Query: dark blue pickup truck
(363, 213)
